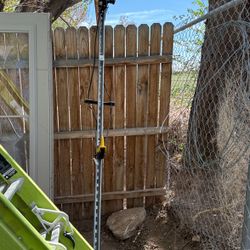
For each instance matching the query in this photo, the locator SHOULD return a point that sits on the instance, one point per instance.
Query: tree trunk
(221, 64)
(210, 185)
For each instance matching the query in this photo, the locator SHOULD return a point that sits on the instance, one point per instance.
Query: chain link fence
(209, 127)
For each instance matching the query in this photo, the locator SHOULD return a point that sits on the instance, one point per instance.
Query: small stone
(196, 238)
(123, 224)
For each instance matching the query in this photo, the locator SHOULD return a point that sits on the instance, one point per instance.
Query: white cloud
(138, 17)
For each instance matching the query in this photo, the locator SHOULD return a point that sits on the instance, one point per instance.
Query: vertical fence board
(167, 49)
(154, 71)
(91, 92)
(87, 120)
(56, 169)
(94, 48)
(141, 106)
(119, 38)
(64, 171)
(74, 107)
(131, 50)
(108, 206)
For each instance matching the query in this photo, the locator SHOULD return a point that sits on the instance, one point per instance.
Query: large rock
(124, 223)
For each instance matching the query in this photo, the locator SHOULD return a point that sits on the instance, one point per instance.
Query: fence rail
(114, 61)
(111, 133)
(138, 79)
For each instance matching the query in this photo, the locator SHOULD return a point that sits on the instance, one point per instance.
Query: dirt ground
(159, 231)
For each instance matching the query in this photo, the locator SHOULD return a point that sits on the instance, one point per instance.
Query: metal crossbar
(209, 14)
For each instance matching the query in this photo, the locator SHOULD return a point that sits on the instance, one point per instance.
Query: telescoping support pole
(100, 145)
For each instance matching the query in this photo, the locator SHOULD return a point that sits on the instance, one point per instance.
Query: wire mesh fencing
(208, 143)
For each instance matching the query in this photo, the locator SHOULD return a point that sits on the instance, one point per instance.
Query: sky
(142, 11)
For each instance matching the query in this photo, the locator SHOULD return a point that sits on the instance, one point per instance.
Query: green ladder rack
(28, 218)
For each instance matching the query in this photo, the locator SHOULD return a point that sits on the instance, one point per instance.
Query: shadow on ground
(160, 231)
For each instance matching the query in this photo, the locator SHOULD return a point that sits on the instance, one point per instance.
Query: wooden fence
(137, 78)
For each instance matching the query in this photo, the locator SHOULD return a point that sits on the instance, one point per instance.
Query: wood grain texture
(56, 125)
(110, 196)
(167, 48)
(108, 171)
(133, 170)
(153, 88)
(94, 48)
(141, 111)
(119, 168)
(129, 132)
(74, 116)
(128, 61)
(131, 50)
(87, 153)
(63, 169)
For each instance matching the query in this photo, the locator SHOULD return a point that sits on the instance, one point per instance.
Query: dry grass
(209, 202)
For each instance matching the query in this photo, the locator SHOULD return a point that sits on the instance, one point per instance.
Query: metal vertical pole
(245, 244)
(99, 132)
(100, 145)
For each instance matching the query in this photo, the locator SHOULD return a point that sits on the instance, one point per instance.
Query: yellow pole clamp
(101, 149)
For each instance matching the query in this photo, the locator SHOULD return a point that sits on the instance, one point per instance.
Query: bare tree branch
(54, 7)
(57, 7)
(64, 21)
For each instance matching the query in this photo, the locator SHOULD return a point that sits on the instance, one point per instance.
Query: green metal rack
(28, 218)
